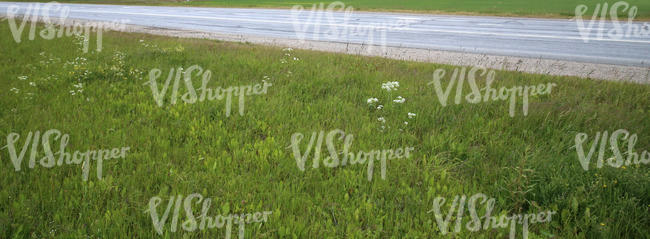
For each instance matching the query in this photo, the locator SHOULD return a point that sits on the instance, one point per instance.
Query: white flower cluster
(79, 88)
(47, 60)
(390, 86)
(77, 63)
(375, 104)
(411, 115)
(288, 54)
(28, 95)
(147, 45)
(50, 61)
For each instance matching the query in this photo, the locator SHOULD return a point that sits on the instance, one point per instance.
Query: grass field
(243, 163)
(549, 8)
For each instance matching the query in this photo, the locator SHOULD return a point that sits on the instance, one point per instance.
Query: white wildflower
(372, 100)
(399, 100)
(22, 77)
(411, 115)
(381, 119)
(379, 107)
(390, 86)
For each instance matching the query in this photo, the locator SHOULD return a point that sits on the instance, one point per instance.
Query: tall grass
(527, 163)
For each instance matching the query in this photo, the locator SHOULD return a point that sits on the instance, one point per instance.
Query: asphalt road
(521, 37)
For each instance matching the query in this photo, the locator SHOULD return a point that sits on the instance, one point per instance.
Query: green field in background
(548, 8)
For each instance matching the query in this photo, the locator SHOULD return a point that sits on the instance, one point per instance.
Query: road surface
(520, 37)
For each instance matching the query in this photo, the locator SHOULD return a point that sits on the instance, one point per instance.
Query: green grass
(527, 163)
(548, 8)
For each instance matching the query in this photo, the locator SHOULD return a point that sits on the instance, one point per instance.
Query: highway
(554, 39)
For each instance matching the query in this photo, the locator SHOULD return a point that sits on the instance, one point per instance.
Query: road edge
(506, 63)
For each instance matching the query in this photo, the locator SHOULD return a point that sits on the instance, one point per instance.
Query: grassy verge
(521, 8)
(528, 163)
